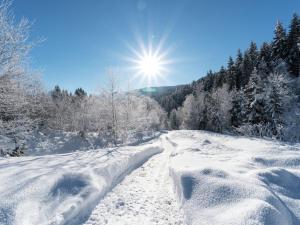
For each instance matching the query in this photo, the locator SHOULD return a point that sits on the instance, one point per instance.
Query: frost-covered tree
(222, 105)
(275, 110)
(190, 113)
(255, 98)
(15, 91)
(237, 111)
(174, 120)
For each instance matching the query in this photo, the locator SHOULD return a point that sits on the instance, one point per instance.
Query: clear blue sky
(85, 37)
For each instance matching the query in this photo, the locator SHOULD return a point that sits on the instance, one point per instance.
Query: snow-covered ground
(197, 178)
(144, 197)
(234, 180)
(48, 141)
(63, 189)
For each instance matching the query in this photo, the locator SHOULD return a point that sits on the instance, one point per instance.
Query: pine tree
(209, 81)
(265, 59)
(275, 110)
(294, 46)
(255, 100)
(247, 68)
(56, 93)
(253, 55)
(238, 66)
(220, 78)
(79, 92)
(231, 74)
(279, 45)
(237, 111)
(174, 121)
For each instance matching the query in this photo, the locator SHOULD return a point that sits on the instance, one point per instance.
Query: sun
(150, 65)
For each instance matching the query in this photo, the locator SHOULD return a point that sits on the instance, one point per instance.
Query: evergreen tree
(265, 60)
(79, 92)
(237, 111)
(247, 68)
(231, 74)
(294, 46)
(174, 120)
(209, 81)
(238, 66)
(56, 93)
(279, 45)
(220, 78)
(253, 55)
(275, 111)
(255, 99)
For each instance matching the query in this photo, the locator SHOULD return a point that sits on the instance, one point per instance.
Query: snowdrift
(221, 179)
(48, 141)
(63, 189)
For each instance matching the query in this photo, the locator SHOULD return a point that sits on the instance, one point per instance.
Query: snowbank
(63, 189)
(222, 179)
(47, 141)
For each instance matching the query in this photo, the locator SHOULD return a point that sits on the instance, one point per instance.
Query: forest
(257, 94)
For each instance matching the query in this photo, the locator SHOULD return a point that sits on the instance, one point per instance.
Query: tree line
(257, 94)
(25, 106)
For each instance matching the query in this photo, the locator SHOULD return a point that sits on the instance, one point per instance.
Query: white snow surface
(63, 189)
(48, 141)
(144, 197)
(223, 179)
(198, 178)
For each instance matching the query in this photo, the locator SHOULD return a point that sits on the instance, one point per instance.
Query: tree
(15, 118)
(294, 46)
(253, 55)
(220, 78)
(56, 93)
(237, 111)
(275, 111)
(279, 44)
(79, 92)
(209, 81)
(255, 99)
(278, 100)
(246, 69)
(174, 120)
(239, 72)
(231, 74)
(222, 105)
(265, 60)
(191, 113)
(111, 93)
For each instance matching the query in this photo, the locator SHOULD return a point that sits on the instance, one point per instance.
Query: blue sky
(85, 37)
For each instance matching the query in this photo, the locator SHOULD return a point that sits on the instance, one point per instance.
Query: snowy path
(143, 197)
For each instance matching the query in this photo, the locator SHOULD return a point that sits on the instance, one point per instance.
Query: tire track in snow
(144, 197)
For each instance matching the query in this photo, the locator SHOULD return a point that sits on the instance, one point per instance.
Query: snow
(223, 179)
(48, 141)
(197, 178)
(144, 197)
(63, 189)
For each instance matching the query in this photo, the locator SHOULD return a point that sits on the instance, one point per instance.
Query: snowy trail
(144, 197)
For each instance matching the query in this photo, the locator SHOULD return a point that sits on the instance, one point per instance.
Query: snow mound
(48, 141)
(231, 180)
(63, 189)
